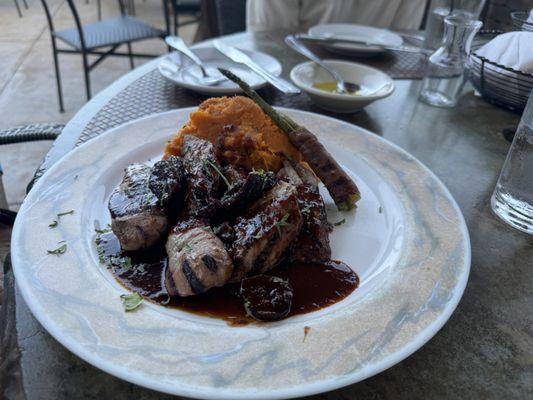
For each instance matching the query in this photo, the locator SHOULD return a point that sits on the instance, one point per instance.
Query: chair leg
(58, 76)
(18, 9)
(99, 8)
(86, 75)
(132, 65)
(25, 4)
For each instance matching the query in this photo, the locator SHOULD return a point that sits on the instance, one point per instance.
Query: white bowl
(370, 79)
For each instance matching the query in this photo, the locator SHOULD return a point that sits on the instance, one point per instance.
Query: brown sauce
(315, 286)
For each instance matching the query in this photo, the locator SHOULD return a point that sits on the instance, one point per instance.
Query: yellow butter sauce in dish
(331, 87)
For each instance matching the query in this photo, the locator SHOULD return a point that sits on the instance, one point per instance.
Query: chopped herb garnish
(60, 250)
(306, 208)
(342, 221)
(282, 223)
(261, 172)
(107, 229)
(126, 263)
(53, 224)
(131, 301)
(65, 213)
(212, 165)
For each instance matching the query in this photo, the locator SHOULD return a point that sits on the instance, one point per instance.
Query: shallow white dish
(186, 74)
(375, 83)
(356, 32)
(407, 241)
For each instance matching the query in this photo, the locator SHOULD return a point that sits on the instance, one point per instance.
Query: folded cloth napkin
(512, 50)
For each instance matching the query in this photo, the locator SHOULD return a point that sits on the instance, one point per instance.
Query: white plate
(187, 73)
(407, 241)
(356, 32)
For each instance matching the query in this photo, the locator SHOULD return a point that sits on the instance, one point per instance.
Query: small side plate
(186, 74)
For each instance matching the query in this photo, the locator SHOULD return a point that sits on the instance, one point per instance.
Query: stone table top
(486, 348)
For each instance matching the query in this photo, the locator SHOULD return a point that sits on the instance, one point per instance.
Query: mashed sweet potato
(241, 132)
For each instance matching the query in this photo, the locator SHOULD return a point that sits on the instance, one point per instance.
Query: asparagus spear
(341, 188)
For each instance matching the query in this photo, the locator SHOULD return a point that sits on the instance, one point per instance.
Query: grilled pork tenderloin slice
(244, 191)
(166, 181)
(197, 260)
(312, 244)
(265, 231)
(137, 218)
(203, 176)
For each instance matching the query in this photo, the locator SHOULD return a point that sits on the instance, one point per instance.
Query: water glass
(440, 9)
(444, 76)
(512, 199)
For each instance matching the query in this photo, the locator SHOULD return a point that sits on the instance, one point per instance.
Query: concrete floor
(28, 91)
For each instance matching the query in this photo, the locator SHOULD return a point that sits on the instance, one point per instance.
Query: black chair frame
(86, 51)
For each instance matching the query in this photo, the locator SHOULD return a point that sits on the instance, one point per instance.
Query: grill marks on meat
(244, 191)
(312, 244)
(137, 218)
(265, 231)
(197, 260)
(167, 179)
(203, 177)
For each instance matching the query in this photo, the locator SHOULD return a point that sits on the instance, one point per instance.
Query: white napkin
(530, 18)
(512, 49)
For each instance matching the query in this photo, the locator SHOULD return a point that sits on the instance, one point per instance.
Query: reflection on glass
(512, 199)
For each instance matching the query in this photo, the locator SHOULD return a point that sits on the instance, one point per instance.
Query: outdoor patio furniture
(19, 134)
(101, 38)
(17, 6)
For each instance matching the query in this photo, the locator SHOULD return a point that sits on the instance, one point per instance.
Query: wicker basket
(498, 84)
(519, 19)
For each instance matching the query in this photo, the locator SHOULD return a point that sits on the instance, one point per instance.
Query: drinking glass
(444, 76)
(440, 9)
(512, 199)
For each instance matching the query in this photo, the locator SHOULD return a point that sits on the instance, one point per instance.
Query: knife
(338, 40)
(241, 58)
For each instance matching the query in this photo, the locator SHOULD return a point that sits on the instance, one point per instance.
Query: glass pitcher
(440, 9)
(444, 77)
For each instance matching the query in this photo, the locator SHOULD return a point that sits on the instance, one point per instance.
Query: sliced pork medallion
(246, 190)
(203, 175)
(265, 231)
(167, 179)
(197, 260)
(312, 244)
(137, 218)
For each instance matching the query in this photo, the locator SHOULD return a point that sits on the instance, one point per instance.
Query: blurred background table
(486, 348)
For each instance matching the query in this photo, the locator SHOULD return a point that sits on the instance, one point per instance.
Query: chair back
(75, 16)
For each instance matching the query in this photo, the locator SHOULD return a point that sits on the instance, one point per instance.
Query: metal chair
(101, 38)
(187, 7)
(19, 134)
(19, 12)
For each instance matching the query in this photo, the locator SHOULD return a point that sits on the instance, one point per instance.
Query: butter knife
(239, 57)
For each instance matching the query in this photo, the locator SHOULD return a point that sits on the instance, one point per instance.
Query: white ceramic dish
(407, 241)
(375, 83)
(186, 74)
(356, 32)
